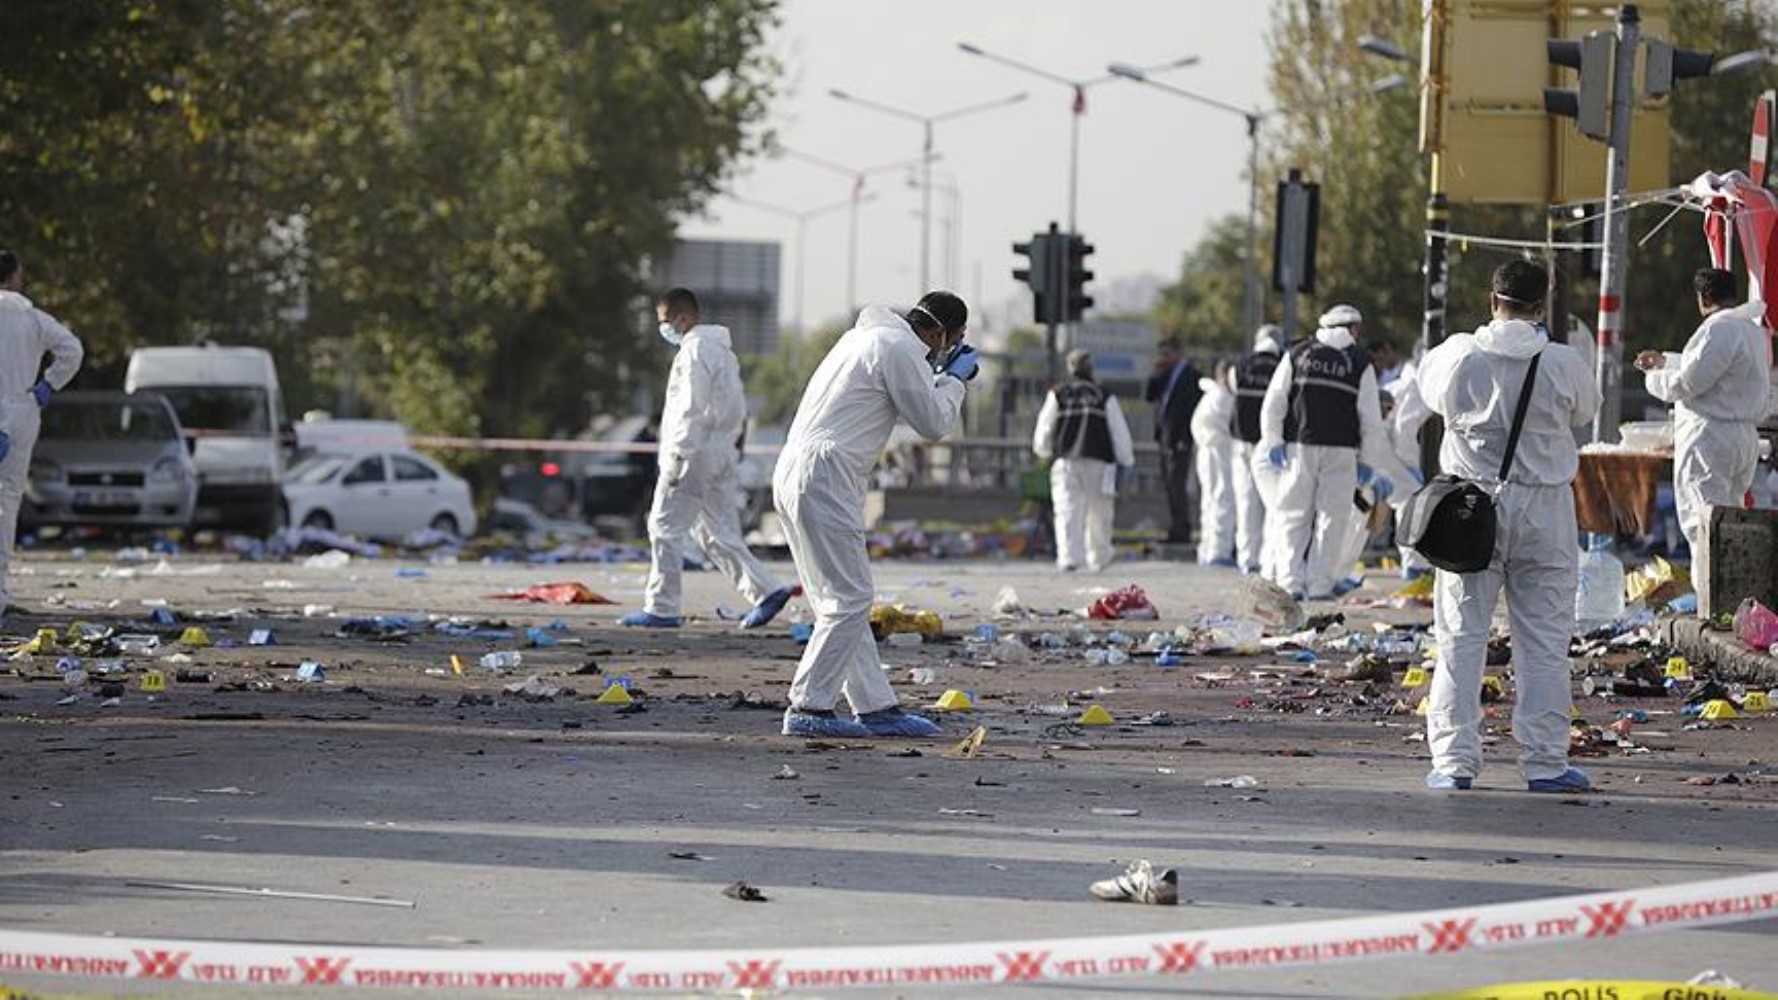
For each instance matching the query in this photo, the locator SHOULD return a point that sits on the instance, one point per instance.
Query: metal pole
(1615, 263)
(1251, 306)
(926, 210)
(852, 255)
(802, 229)
(1074, 161)
(1432, 321)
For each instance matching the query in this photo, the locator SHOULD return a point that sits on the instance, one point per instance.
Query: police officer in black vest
(1173, 389)
(1082, 427)
(1322, 430)
(1253, 373)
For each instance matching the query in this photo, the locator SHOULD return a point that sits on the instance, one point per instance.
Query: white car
(381, 494)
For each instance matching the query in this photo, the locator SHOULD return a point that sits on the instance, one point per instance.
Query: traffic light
(1039, 273)
(1077, 276)
(1590, 106)
(1665, 65)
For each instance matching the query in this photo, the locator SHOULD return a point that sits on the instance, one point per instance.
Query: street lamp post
(1077, 108)
(801, 218)
(1253, 303)
(857, 175)
(926, 123)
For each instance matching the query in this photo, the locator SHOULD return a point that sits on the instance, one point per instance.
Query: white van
(228, 399)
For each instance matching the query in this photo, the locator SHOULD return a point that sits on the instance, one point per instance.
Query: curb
(1729, 660)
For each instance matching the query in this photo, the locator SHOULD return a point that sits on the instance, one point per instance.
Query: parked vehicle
(535, 528)
(110, 458)
(383, 494)
(228, 399)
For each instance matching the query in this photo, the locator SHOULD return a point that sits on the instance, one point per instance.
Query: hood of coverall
(1511, 338)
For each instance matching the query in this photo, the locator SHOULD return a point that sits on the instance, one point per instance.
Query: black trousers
(1182, 507)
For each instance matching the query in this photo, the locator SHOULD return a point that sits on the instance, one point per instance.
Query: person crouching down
(880, 372)
(1475, 382)
(1082, 427)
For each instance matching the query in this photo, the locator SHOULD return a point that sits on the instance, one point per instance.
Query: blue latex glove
(964, 364)
(1119, 478)
(1365, 474)
(1383, 488)
(5, 445)
(1277, 456)
(42, 391)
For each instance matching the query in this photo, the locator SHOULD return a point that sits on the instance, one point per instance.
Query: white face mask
(670, 335)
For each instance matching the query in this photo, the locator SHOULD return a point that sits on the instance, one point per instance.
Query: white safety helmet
(1341, 315)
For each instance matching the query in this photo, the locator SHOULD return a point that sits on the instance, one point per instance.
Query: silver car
(113, 459)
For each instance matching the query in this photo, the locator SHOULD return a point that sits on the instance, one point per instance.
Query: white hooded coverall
(27, 333)
(1083, 490)
(695, 497)
(1719, 387)
(1314, 509)
(876, 374)
(1255, 483)
(1473, 381)
(1213, 443)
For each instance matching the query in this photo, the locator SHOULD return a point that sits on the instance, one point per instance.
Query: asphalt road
(564, 823)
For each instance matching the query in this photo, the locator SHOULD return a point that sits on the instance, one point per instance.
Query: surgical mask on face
(671, 335)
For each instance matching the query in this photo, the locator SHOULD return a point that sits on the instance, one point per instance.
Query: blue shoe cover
(643, 619)
(823, 724)
(895, 722)
(767, 609)
(1347, 586)
(1572, 780)
(1442, 782)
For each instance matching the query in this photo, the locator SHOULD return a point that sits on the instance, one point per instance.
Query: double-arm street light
(926, 122)
(857, 175)
(1077, 108)
(801, 218)
(1252, 301)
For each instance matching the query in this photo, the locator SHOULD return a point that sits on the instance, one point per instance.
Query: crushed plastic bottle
(1237, 635)
(1010, 650)
(1052, 640)
(1599, 600)
(904, 640)
(506, 659)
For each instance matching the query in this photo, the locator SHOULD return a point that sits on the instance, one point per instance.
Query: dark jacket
(1173, 410)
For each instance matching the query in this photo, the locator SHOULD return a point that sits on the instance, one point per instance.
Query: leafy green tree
(1203, 308)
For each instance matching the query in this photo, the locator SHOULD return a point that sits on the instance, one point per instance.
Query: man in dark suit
(1173, 389)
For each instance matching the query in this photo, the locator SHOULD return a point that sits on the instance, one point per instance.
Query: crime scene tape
(1603, 989)
(1462, 930)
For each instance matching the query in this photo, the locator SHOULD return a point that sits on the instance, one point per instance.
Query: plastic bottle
(1599, 600)
(506, 659)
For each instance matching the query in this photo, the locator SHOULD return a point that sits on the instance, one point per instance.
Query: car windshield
(111, 420)
(317, 469)
(235, 409)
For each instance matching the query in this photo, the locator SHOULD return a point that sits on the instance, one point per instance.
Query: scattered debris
(745, 893)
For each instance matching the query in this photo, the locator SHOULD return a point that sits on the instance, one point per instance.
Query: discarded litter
(1271, 604)
(1238, 781)
(922, 675)
(904, 640)
(506, 659)
(1102, 811)
(745, 893)
(540, 638)
(331, 559)
(1125, 604)
(1007, 604)
(1756, 625)
(890, 620)
(1140, 883)
(533, 688)
(786, 773)
(555, 593)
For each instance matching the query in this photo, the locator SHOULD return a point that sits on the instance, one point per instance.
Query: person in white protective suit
(1321, 429)
(1253, 479)
(1405, 427)
(1390, 470)
(887, 368)
(27, 333)
(1082, 427)
(1213, 445)
(1474, 382)
(695, 497)
(1719, 386)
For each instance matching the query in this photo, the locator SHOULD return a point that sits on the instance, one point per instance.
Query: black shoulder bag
(1451, 521)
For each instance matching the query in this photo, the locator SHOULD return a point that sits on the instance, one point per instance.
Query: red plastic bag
(555, 593)
(1756, 625)
(1130, 602)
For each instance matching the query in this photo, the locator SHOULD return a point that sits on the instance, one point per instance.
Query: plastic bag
(1127, 603)
(1272, 605)
(1756, 625)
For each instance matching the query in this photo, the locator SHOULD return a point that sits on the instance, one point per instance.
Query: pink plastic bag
(1756, 625)
(1130, 602)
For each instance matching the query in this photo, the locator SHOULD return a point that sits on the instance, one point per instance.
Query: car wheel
(446, 523)
(319, 520)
